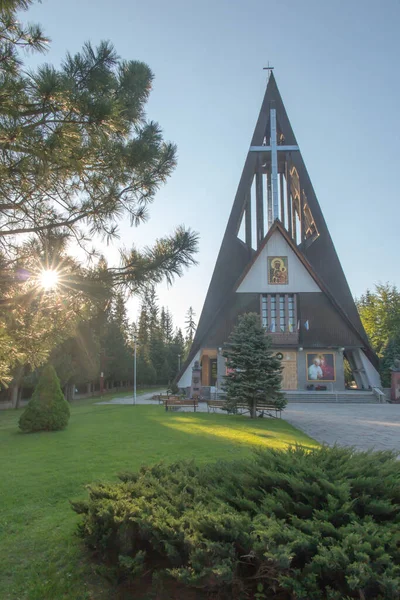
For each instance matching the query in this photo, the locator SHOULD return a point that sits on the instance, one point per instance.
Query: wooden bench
(178, 402)
(163, 397)
(261, 408)
(212, 405)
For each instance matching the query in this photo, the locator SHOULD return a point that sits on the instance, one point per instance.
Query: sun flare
(48, 279)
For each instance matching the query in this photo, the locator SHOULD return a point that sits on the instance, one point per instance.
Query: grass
(40, 556)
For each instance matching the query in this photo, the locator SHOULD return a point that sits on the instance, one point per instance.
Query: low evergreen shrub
(47, 410)
(320, 524)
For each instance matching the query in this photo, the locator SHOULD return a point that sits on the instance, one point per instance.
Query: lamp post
(134, 370)
(179, 362)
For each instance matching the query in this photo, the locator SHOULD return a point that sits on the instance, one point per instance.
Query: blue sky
(337, 67)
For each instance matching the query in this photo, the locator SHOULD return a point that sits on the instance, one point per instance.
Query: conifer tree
(190, 327)
(168, 327)
(47, 410)
(254, 372)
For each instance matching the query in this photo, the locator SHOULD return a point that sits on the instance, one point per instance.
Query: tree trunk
(69, 391)
(14, 395)
(15, 388)
(253, 411)
(19, 396)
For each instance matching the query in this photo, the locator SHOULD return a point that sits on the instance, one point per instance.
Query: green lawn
(40, 556)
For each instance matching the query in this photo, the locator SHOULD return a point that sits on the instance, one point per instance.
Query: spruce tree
(47, 410)
(190, 327)
(254, 372)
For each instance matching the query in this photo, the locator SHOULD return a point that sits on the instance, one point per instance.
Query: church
(277, 259)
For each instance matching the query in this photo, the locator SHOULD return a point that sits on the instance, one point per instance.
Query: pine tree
(77, 153)
(190, 327)
(47, 410)
(143, 337)
(254, 372)
(168, 327)
(118, 314)
(77, 360)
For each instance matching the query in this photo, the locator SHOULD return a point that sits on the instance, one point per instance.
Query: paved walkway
(364, 426)
(140, 399)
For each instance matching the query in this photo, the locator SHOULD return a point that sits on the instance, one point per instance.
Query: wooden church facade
(277, 259)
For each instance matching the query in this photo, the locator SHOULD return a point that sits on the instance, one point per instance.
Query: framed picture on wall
(321, 366)
(278, 270)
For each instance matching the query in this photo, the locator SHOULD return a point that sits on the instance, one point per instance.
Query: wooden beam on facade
(302, 219)
(294, 223)
(282, 194)
(288, 199)
(248, 220)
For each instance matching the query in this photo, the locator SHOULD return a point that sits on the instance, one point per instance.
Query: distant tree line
(380, 314)
(103, 341)
(161, 347)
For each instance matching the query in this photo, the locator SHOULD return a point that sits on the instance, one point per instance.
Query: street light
(179, 362)
(134, 370)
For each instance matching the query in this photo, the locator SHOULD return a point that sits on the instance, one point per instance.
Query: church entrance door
(289, 373)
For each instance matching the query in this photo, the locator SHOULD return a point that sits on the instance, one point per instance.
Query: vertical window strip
(273, 314)
(291, 315)
(264, 309)
(282, 313)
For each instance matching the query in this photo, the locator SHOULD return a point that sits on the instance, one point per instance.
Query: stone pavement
(364, 426)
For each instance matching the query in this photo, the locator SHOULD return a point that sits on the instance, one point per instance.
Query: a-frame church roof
(312, 244)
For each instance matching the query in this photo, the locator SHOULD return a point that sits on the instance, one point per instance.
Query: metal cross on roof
(273, 148)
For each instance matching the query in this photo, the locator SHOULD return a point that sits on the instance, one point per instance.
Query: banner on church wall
(321, 366)
(278, 270)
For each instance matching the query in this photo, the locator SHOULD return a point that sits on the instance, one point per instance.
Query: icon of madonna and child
(278, 270)
(320, 367)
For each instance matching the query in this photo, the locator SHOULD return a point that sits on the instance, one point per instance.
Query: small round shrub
(47, 410)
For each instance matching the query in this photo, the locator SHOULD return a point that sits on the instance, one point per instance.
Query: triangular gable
(262, 277)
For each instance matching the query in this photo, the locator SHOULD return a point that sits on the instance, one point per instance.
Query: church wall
(299, 279)
(372, 374)
(221, 369)
(302, 381)
(186, 378)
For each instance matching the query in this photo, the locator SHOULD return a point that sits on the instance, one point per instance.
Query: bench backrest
(179, 400)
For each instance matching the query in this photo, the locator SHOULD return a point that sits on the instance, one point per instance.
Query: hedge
(299, 524)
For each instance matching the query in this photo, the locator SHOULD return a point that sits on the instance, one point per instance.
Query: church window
(264, 312)
(291, 315)
(273, 313)
(278, 313)
(282, 313)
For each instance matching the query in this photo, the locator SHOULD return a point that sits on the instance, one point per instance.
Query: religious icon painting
(321, 367)
(278, 270)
